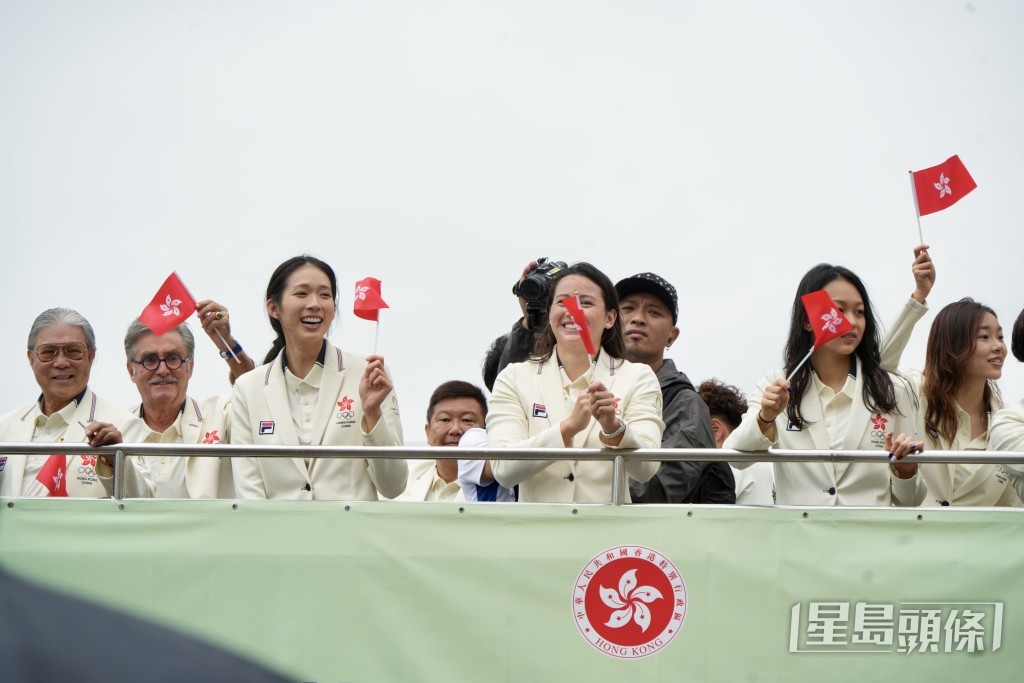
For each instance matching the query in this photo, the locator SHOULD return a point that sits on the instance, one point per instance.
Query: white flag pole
(227, 347)
(376, 333)
(917, 209)
(800, 364)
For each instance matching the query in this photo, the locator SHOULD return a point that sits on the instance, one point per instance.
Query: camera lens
(532, 288)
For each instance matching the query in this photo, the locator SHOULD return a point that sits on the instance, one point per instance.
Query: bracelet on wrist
(612, 435)
(236, 349)
(762, 420)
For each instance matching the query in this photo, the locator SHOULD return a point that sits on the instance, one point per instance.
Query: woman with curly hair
(755, 485)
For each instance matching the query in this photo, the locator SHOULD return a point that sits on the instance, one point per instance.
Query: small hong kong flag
(942, 186)
(824, 316)
(368, 301)
(171, 306)
(53, 475)
(572, 304)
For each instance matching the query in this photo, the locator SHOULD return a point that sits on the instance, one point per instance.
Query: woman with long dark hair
(964, 358)
(310, 393)
(564, 398)
(957, 391)
(841, 399)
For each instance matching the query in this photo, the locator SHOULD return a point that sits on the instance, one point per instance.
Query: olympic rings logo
(87, 471)
(345, 415)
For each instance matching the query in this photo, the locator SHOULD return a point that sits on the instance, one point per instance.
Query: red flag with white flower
(826, 321)
(942, 186)
(368, 301)
(53, 476)
(171, 306)
(572, 304)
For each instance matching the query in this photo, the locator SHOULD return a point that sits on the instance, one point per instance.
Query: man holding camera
(650, 309)
(517, 345)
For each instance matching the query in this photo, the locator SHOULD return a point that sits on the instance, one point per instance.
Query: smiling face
(163, 387)
(599, 317)
(647, 328)
(453, 417)
(849, 302)
(61, 379)
(307, 309)
(986, 361)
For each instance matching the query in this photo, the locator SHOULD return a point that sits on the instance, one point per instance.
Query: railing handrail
(618, 457)
(451, 452)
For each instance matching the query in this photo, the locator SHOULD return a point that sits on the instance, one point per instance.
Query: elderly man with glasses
(161, 367)
(61, 349)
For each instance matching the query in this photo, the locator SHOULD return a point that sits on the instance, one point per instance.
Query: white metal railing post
(119, 461)
(619, 480)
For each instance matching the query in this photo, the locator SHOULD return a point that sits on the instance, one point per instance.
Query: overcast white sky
(439, 146)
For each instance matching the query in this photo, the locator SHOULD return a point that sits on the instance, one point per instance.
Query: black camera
(534, 290)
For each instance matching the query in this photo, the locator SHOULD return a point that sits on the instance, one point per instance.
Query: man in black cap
(650, 309)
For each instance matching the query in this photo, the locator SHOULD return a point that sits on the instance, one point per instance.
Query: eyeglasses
(151, 362)
(46, 353)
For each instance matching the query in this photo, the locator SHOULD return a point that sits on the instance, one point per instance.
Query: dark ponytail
(276, 347)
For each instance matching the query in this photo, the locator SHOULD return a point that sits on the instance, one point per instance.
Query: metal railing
(618, 458)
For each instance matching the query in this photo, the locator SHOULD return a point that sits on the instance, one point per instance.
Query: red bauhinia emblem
(345, 403)
(171, 306)
(368, 301)
(211, 437)
(629, 602)
(942, 186)
(826, 321)
(53, 475)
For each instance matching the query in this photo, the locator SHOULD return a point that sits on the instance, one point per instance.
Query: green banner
(333, 592)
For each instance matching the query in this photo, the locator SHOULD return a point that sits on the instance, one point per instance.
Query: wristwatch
(237, 349)
(612, 435)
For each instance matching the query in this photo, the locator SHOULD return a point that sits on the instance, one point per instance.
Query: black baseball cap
(649, 283)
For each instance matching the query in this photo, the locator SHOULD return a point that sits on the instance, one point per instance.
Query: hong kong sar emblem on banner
(629, 602)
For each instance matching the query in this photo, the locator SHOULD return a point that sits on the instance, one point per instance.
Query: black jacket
(687, 425)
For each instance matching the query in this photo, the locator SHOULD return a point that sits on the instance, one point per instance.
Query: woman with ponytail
(841, 400)
(310, 393)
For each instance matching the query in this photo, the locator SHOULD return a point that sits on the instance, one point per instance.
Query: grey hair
(137, 329)
(62, 315)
